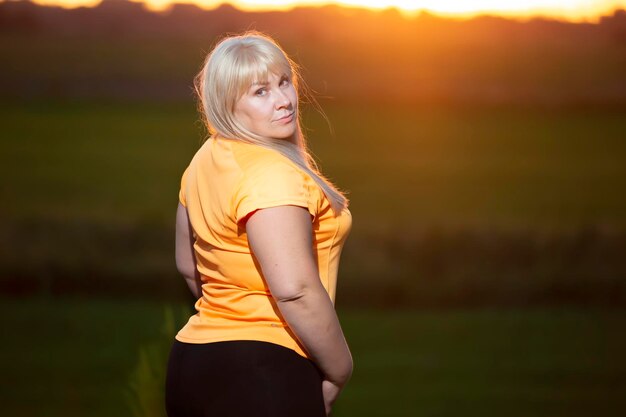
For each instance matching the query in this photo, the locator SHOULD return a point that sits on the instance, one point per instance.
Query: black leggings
(241, 378)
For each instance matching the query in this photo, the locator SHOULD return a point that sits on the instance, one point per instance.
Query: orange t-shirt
(226, 181)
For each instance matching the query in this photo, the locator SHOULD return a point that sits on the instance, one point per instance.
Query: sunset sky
(575, 10)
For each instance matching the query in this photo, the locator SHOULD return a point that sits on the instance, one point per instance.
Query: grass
(453, 167)
(452, 205)
(74, 357)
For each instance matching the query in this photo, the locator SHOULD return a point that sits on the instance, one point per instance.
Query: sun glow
(574, 10)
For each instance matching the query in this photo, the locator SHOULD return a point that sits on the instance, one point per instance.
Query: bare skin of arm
(281, 238)
(185, 256)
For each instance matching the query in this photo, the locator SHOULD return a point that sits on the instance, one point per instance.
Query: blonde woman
(259, 233)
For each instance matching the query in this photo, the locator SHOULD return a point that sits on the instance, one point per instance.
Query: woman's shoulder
(258, 161)
(235, 154)
(250, 156)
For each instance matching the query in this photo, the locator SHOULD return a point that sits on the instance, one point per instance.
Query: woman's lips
(286, 119)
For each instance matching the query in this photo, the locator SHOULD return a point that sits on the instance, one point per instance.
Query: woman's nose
(282, 100)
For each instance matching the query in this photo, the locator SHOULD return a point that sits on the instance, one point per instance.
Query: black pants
(241, 378)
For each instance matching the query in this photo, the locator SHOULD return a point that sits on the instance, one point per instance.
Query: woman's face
(269, 108)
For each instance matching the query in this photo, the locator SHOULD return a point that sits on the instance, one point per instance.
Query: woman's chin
(286, 135)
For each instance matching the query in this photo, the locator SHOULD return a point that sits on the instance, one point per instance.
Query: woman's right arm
(281, 238)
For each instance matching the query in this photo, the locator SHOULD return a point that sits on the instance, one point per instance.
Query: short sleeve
(183, 185)
(273, 184)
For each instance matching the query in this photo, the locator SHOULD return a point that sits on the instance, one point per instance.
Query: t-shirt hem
(290, 345)
(245, 210)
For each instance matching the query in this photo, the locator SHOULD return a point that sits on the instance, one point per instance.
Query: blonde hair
(228, 71)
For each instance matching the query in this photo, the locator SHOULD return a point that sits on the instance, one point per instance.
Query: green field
(404, 166)
(73, 357)
(451, 205)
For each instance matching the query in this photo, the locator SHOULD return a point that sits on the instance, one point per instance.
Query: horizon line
(409, 14)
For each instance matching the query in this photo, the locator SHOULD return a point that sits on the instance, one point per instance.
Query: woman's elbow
(296, 291)
(287, 296)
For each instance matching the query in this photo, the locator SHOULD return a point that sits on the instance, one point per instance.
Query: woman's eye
(260, 92)
(284, 81)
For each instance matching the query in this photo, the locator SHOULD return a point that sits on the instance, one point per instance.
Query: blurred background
(483, 149)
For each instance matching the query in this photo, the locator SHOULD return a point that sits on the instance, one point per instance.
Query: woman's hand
(330, 391)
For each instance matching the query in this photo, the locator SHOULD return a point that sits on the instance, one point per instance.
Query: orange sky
(575, 10)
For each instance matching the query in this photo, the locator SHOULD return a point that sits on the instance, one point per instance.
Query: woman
(259, 233)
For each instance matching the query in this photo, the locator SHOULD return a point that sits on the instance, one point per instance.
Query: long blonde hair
(228, 71)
